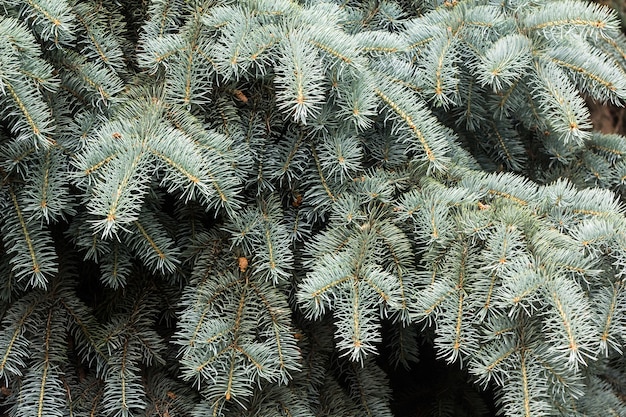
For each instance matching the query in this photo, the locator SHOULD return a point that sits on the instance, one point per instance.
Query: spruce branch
(299, 80)
(53, 20)
(41, 391)
(33, 254)
(226, 345)
(15, 346)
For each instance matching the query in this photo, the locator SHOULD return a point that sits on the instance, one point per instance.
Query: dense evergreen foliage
(315, 208)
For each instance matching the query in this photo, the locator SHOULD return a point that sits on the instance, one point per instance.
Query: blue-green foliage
(232, 208)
